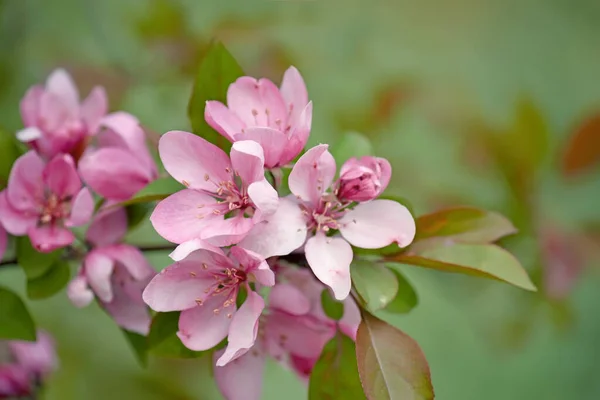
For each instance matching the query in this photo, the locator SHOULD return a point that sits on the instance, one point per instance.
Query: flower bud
(363, 180)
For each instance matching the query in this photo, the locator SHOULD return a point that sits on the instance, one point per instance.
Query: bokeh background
(475, 103)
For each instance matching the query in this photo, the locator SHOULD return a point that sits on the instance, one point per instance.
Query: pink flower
(217, 187)
(204, 284)
(294, 329)
(14, 381)
(55, 122)
(363, 180)
(121, 165)
(43, 200)
(278, 119)
(317, 213)
(114, 273)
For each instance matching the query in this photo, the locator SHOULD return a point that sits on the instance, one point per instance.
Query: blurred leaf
(136, 213)
(487, 261)
(9, 152)
(335, 375)
(139, 346)
(390, 363)
(583, 150)
(154, 191)
(407, 297)
(163, 340)
(51, 282)
(352, 144)
(375, 284)
(216, 72)
(333, 309)
(464, 224)
(34, 263)
(15, 321)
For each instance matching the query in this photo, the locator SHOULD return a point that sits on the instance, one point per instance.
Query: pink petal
(29, 134)
(131, 258)
(248, 161)
(201, 328)
(36, 357)
(3, 240)
(60, 176)
(302, 366)
(25, 189)
(302, 336)
(93, 108)
(300, 132)
(48, 238)
(288, 298)
(54, 115)
(257, 103)
(226, 232)
(221, 119)
(312, 175)
(81, 209)
(113, 173)
(79, 292)
(272, 141)
(351, 319)
(186, 248)
(108, 226)
(127, 312)
(377, 224)
(330, 258)
(98, 270)
(193, 161)
(254, 264)
(184, 215)
(14, 221)
(280, 233)
(264, 198)
(243, 329)
(15, 381)
(294, 93)
(241, 379)
(30, 105)
(60, 83)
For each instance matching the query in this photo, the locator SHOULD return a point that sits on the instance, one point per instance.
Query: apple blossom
(363, 180)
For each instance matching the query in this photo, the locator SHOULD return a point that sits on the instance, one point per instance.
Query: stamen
(192, 274)
(185, 183)
(204, 266)
(206, 177)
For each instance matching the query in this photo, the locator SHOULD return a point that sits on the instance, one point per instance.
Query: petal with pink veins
(288, 298)
(93, 108)
(25, 188)
(377, 224)
(330, 258)
(273, 142)
(79, 292)
(312, 175)
(81, 209)
(98, 270)
(202, 328)
(295, 95)
(193, 161)
(222, 119)
(241, 379)
(48, 238)
(257, 103)
(16, 222)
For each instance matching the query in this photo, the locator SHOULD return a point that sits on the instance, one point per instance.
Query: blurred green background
(474, 103)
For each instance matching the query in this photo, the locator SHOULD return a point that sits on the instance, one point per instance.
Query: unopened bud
(363, 180)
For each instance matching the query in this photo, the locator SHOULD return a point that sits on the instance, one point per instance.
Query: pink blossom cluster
(77, 149)
(24, 365)
(231, 276)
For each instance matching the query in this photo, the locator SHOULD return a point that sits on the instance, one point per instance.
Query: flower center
(227, 284)
(54, 209)
(324, 217)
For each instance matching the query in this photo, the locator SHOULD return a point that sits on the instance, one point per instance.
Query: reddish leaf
(583, 149)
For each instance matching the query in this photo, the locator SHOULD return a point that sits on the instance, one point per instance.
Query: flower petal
(108, 226)
(241, 379)
(330, 258)
(257, 103)
(351, 319)
(93, 108)
(201, 328)
(131, 258)
(222, 119)
(300, 132)
(60, 83)
(16, 222)
(295, 95)
(79, 292)
(193, 161)
(184, 215)
(243, 329)
(25, 188)
(299, 335)
(61, 177)
(47, 238)
(186, 248)
(288, 298)
(29, 134)
(127, 311)
(377, 224)
(98, 269)
(272, 141)
(280, 233)
(30, 106)
(248, 161)
(312, 175)
(226, 232)
(39, 357)
(254, 264)
(264, 197)
(81, 209)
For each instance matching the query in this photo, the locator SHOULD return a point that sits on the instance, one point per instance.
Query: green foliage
(9, 152)
(352, 144)
(136, 213)
(154, 191)
(335, 375)
(51, 282)
(333, 309)
(15, 321)
(483, 260)
(216, 72)
(139, 346)
(407, 297)
(390, 363)
(375, 284)
(163, 340)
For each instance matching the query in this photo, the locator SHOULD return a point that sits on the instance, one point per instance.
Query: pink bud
(363, 180)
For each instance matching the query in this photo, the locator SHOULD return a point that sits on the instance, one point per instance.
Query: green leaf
(464, 224)
(34, 263)
(154, 191)
(352, 144)
(407, 297)
(376, 285)
(335, 375)
(51, 282)
(333, 309)
(163, 340)
(136, 213)
(217, 70)
(9, 152)
(15, 321)
(139, 346)
(391, 364)
(483, 260)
